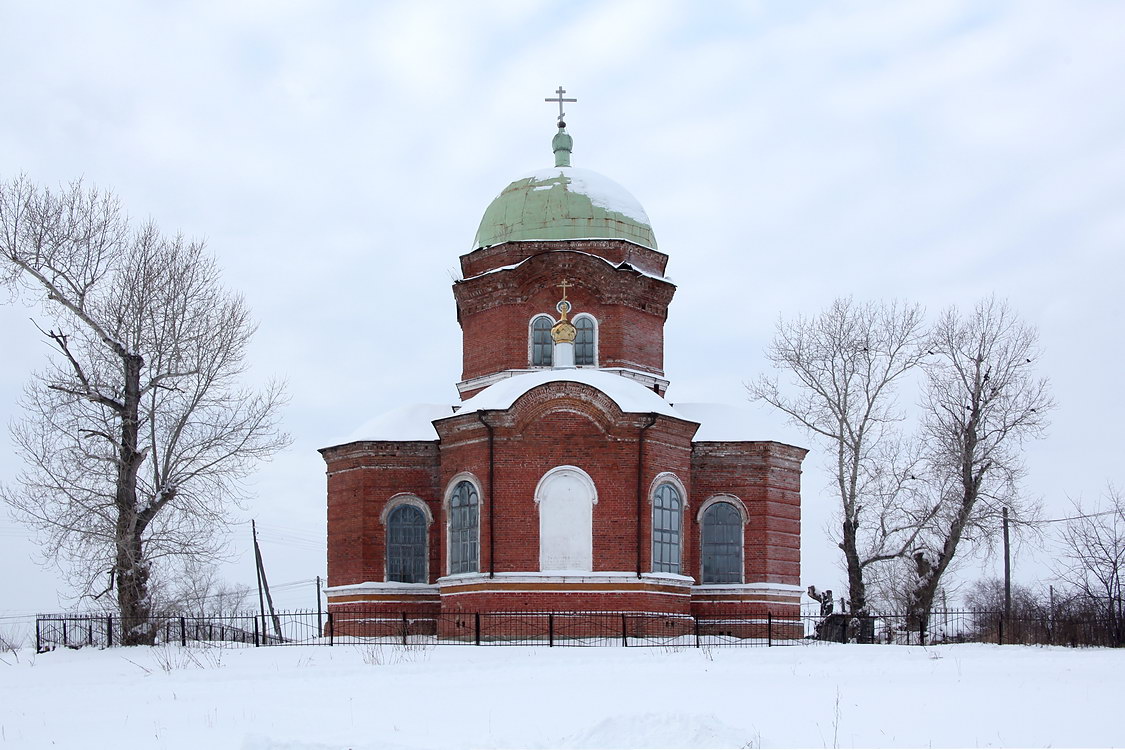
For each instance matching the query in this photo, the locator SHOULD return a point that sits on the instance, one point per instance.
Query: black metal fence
(967, 626)
(358, 626)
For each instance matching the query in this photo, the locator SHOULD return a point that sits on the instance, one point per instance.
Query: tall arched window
(542, 346)
(584, 349)
(464, 529)
(406, 545)
(721, 547)
(667, 508)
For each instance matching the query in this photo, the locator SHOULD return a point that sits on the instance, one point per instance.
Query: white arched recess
(566, 497)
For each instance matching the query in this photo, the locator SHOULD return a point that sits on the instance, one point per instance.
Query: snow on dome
(601, 190)
(629, 395)
(409, 422)
(564, 203)
(720, 422)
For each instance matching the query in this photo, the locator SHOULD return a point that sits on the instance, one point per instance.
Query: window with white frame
(585, 340)
(667, 511)
(721, 545)
(542, 346)
(406, 545)
(464, 529)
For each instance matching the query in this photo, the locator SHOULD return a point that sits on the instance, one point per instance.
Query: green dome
(564, 203)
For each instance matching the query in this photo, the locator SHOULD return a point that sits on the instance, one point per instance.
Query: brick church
(563, 480)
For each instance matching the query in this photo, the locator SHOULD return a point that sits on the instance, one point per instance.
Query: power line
(1080, 517)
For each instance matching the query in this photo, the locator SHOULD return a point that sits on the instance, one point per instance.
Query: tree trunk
(922, 599)
(857, 589)
(131, 568)
(929, 574)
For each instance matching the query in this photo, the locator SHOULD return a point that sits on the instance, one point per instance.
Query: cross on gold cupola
(563, 333)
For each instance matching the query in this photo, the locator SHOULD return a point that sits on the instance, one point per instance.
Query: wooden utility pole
(319, 610)
(263, 584)
(1007, 571)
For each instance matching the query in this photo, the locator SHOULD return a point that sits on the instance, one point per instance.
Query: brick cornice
(615, 251)
(608, 284)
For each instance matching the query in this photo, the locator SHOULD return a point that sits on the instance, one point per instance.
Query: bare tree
(983, 400)
(845, 363)
(200, 591)
(137, 433)
(986, 595)
(1093, 559)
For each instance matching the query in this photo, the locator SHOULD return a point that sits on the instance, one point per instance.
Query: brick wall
(495, 310)
(766, 477)
(362, 477)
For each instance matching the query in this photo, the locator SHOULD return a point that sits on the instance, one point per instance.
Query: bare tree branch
(983, 400)
(137, 435)
(845, 364)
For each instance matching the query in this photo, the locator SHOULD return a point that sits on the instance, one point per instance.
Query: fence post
(476, 628)
(696, 621)
(183, 631)
(65, 640)
(769, 628)
(38, 641)
(331, 629)
(624, 631)
(109, 630)
(551, 629)
(405, 627)
(90, 632)
(256, 644)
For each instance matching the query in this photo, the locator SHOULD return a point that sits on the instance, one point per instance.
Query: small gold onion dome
(563, 332)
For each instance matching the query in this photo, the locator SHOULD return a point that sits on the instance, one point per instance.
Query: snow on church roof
(409, 422)
(719, 422)
(414, 422)
(629, 395)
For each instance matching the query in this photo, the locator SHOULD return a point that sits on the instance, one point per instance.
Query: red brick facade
(629, 305)
(601, 441)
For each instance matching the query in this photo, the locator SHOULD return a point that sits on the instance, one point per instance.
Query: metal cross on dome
(560, 91)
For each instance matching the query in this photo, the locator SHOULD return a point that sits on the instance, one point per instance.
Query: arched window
(406, 545)
(667, 509)
(721, 548)
(584, 348)
(464, 528)
(542, 346)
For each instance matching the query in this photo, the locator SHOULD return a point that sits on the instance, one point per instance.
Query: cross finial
(560, 91)
(564, 305)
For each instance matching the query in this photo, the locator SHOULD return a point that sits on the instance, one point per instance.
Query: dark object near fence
(841, 628)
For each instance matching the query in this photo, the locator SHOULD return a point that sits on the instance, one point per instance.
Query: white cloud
(338, 159)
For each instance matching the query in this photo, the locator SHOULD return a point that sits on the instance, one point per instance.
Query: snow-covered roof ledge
(410, 422)
(631, 397)
(720, 423)
(380, 587)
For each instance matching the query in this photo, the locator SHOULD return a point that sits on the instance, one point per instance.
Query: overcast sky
(337, 157)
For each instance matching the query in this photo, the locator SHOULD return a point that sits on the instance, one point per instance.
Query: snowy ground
(306, 698)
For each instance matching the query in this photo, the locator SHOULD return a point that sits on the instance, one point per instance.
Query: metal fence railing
(566, 629)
